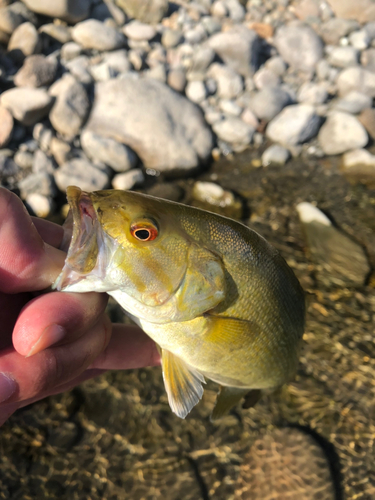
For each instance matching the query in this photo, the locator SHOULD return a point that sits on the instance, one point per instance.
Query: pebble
(367, 59)
(356, 78)
(313, 93)
(43, 135)
(275, 155)
(276, 64)
(24, 42)
(363, 11)
(230, 107)
(109, 151)
(128, 180)
(42, 206)
(70, 50)
(157, 73)
(229, 83)
(93, 34)
(359, 39)
(24, 159)
(27, 105)
(80, 69)
(196, 91)
(147, 12)
(367, 118)
(265, 77)
(295, 124)
(201, 60)
(8, 167)
(213, 197)
(72, 12)
(336, 28)
(340, 133)
(60, 150)
(139, 31)
(234, 130)
(269, 102)
(10, 19)
(171, 38)
(358, 157)
(6, 126)
(82, 173)
(37, 71)
(342, 57)
(42, 163)
(353, 103)
(41, 183)
(58, 32)
(70, 110)
(176, 79)
(302, 55)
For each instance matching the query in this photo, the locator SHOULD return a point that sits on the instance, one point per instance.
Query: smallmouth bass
(215, 296)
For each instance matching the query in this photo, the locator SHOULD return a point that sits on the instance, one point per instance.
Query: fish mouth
(81, 233)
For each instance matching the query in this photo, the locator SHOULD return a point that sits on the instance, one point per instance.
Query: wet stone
(275, 155)
(211, 196)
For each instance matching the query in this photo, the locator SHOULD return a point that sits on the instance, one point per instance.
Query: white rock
(234, 130)
(353, 103)
(265, 77)
(93, 34)
(275, 155)
(313, 93)
(360, 39)
(27, 105)
(341, 132)
(269, 102)
(128, 180)
(358, 157)
(356, 78)
(229, 83)
(196, 91)
(230, 107)
(294, 125)
(139, 31)
(342, 57)
(70, 11)
(40, 205)
(309, 213)
(212, 193)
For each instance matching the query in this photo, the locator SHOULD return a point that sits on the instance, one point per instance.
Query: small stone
(340, 133)
(236, 11)
(24, 42)
(313, 93)
(356, 78)
(171, 38)
(304, 54)
(39, 204)
(234, 130)
(43, 135)
(196, 91)
(6, 126)
(60, 150)
(128, 180)
(195, 35)
(212, 115)
(70, 50)
(359, 39)
(37, 71)
(202, 58)
(219, 9)
(362, 11)
(213, 197)
(69, 11)
(80, 69)
(57, 32)
(269, 102)
(265, 77)
(114, 154)
(41, 183)
(276, 64)
(82, 173)
(230, 107)
(368, 59)
(177, 79)
(367, 118)
(151, 12)
(157, 73)
(249, 118)
(137, 59)
(8, 167)
(353, 103)
(359, 167)
(70, 110)
(10, 19)
(342, 57)
(336, 28)
(264, 30)
(211, 24)
(24, 159)
(229, 83)
(27, 105)
(275, 155)
(42, 163)
(139, 31)
(117, 62)
(295, 125)
(93, 34)
(306, 9)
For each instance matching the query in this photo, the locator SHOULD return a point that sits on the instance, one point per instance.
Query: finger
(56, 318)
(26, 378)
(26, 262)
(50, 232)
(129, 347)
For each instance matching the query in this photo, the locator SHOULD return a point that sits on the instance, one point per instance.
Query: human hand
(51, 342)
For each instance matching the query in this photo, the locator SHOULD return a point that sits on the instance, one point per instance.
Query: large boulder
(167, 132)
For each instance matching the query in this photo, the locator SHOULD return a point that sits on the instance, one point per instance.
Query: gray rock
(235, 10)
(276, 65)
(196, 91)
(8, 167)
(229, 83)
(359, 39)
(70, 50)
(6, 126)
(43, 135)
(70, 110)
(93, 34)
(148, 11)
(342, 57)
(42, 163)
(341, 132)
(356, 78)
(336, 28)
(167, 132)
(80, 68)
(265, 77)
(294, 125)
(139, 31)
(37, 71)
(211, 24)
(57, 32)
(24, 42)
(275, 155)
(195, 35)
(41, 183)
(353, 103)
(202, 58)
(234, 130)
(114, 154)
(177, 79)
(313, 93)
(239, 48)
(69, 11)
(81, 173)
(27, 105)
(171, 38)
(117, 62)
(128, 180)
(299, 46)
(362, 11)
(268, 102)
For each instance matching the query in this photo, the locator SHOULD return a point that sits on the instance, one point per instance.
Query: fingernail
(8, 386)
(50, 336)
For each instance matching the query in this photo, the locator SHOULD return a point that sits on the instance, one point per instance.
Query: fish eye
(145, 230)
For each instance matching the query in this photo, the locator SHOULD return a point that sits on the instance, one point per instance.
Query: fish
(219, 301)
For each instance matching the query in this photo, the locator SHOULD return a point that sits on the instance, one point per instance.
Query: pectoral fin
(182, 383)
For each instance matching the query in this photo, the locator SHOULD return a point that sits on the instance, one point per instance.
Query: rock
(276, 65)
(306, 9)
(114, 154)
(147, 117)
(239, 48)
(359, 39)
(6, 126)
(359, 167)
(275, 155)
(24, 42)
(294, 125)
(57, 32)
(336, 28)
(218, 9)
(10, 19)
(249, 118)
(353, 103)
(171, 38)
(202, 58)
(117, 62)
(356, 79)
(8, 167)
(70, 50)
(341, 132)
(80, 172)
(367, 118)
(268, 102)
(339, 259)
(67, 10)
(229, 83)
(70, 110)
(39, 204)
(41, 183)
(80, 68)
(60, 150)
(234, 130)
(128, 180)
(362, 11)
(213, 197)
(196, 91)
(27, 105)
(37, 71)
(299, 46)
(313, 93)
(93, 34)
(148, 11)
(195, 35)
(157, 73)
(139, 31)
(42, 163)
(264, 77)
(368, 59)
(24, 159)
(177, 79)
(43, 135)
(230, 107)
(342, 57)
(211, 24)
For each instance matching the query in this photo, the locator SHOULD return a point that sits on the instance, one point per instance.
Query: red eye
(144, 231)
